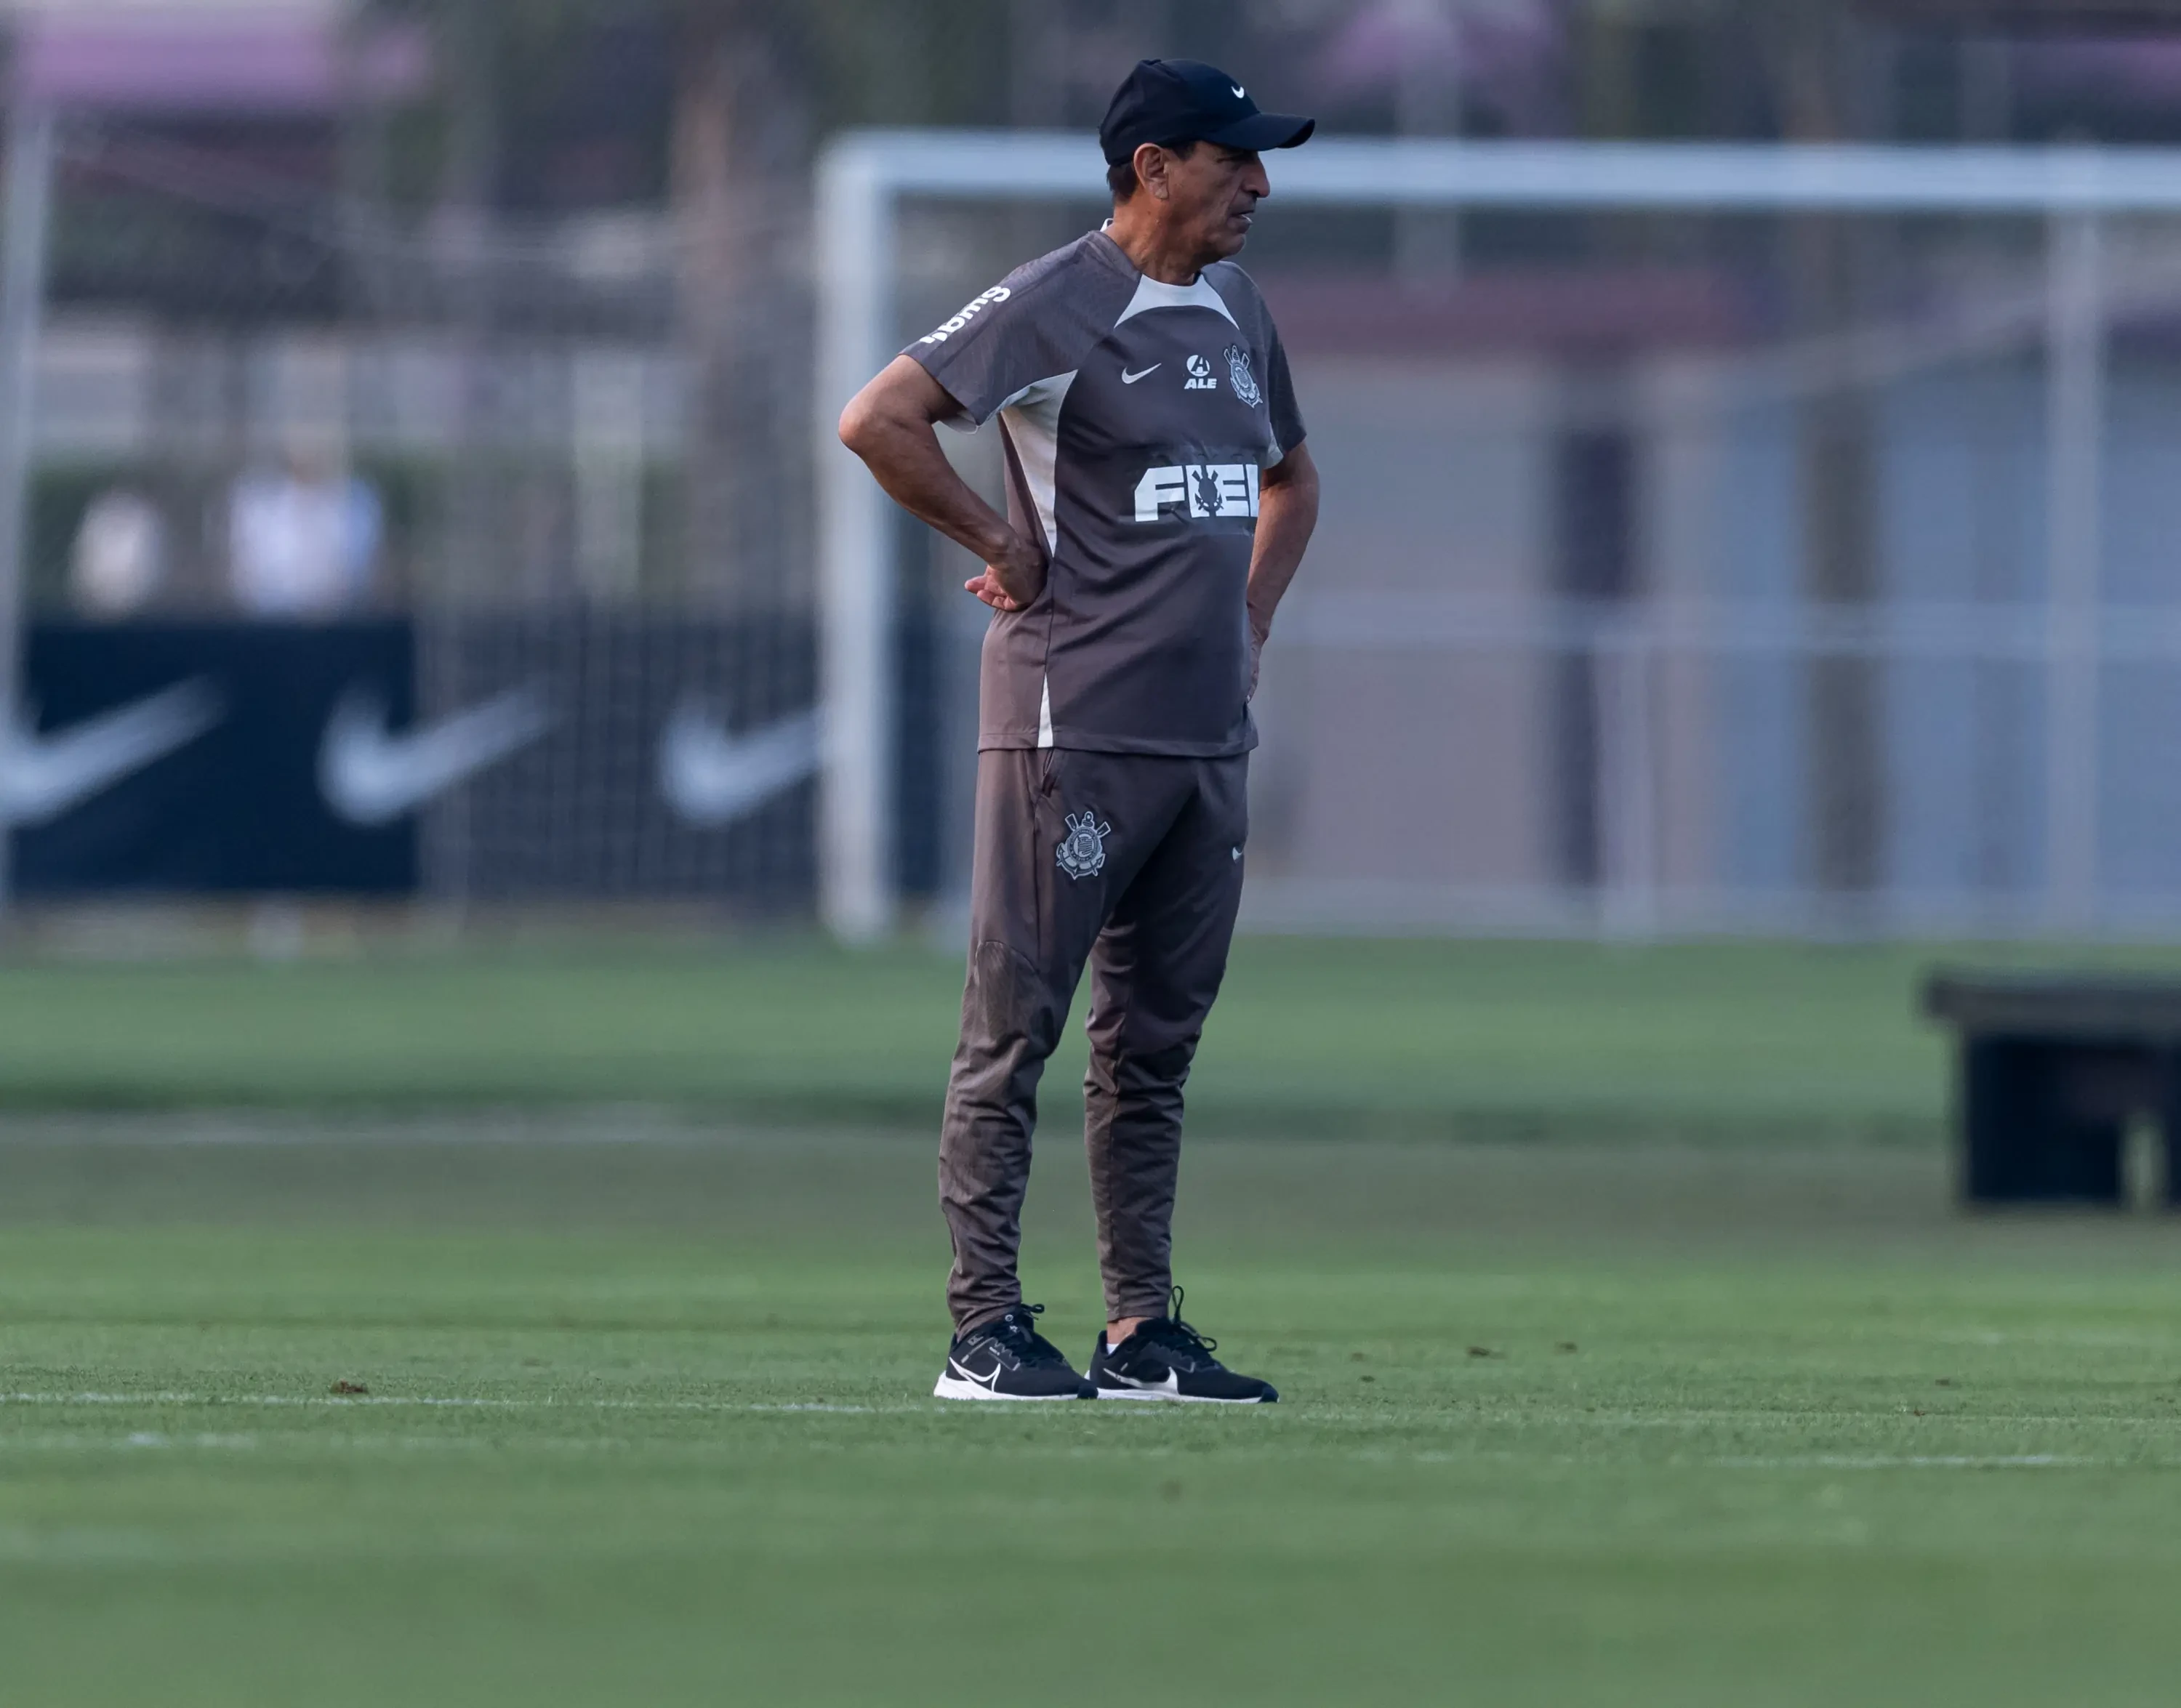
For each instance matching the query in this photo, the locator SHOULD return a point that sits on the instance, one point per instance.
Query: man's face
(1212, 195)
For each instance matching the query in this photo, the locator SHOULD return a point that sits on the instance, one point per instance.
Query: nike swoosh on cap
(370, 776)
(1127, 378)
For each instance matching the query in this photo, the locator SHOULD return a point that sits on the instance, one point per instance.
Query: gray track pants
(1134, 863)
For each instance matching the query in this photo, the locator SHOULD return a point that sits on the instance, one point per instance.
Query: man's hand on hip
(889, 424)
(1011, 582)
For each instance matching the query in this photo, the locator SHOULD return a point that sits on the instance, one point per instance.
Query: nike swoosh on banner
(42, 777)
(1127, 378)
(711, 778)
(371, 777)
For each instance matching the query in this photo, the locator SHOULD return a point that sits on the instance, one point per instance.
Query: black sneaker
(1165, 1359)
(1008, 1359)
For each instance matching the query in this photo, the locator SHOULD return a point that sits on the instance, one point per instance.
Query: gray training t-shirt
(1136, 417)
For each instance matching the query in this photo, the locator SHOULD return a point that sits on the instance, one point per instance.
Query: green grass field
(1474, 1039)
(1673, 1378)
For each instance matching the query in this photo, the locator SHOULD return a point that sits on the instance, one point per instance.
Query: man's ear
(1150, 170)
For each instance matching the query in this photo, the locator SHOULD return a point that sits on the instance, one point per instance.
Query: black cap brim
(1263, 130)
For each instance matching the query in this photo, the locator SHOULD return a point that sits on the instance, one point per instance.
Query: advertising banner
(186, 758)
(574, 754)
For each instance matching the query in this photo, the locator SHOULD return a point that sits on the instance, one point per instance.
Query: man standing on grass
(1159, 499)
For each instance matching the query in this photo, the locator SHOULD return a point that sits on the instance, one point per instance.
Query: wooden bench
(2052, 1068)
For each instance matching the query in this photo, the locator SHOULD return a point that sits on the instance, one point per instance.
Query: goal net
(1714, 539)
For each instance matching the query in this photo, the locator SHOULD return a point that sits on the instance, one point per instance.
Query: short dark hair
(1121, 175)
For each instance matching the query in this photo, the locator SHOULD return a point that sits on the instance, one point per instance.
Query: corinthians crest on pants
(1083, 850)
(1246, 383)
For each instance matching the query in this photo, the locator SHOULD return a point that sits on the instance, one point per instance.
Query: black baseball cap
(1171, 101)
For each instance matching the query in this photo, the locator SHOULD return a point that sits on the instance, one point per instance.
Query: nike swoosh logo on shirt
(1127, 378)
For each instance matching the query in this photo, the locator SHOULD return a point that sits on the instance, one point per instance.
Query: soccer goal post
(2054, 639)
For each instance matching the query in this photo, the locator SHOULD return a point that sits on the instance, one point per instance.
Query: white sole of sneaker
(1173, 1399)
(953, 1388)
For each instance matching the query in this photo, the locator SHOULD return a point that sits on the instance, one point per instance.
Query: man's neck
(1155, 253)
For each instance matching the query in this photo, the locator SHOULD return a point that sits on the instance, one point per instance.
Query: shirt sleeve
(994, 349)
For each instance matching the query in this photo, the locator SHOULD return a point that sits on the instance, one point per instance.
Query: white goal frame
(864, 175)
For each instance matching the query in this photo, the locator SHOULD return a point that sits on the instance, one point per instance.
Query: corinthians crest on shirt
(1083, 850)
(1245, 381)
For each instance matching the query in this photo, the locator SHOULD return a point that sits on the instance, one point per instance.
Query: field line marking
(1918, 1461)
(339, 1401)
(143, 1440)
(150, 1439)
(1699, 1418)
(136, 1440)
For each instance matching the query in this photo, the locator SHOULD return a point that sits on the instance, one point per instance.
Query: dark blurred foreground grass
(1473, 1039)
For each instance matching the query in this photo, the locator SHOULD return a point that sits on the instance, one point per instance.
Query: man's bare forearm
(890, 425)
(1287, 516)
(907, 461)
